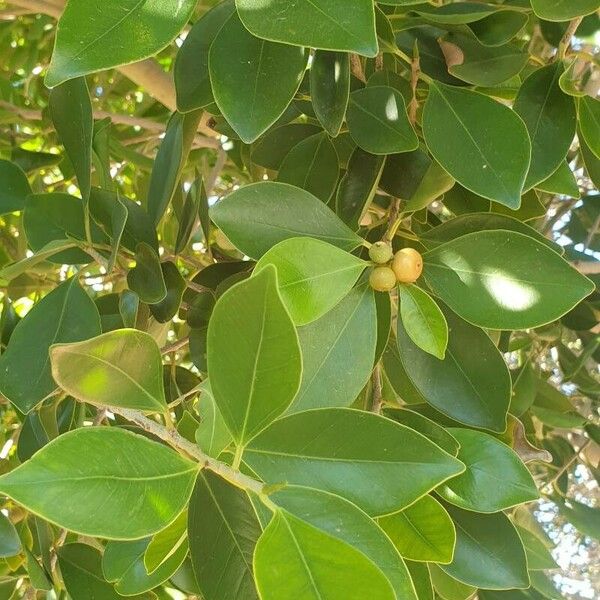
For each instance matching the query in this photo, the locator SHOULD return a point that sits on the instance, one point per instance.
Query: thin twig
(175, 346)
(565, 42)
(377, 391)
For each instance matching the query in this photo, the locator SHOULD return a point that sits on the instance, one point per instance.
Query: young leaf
(476, 489)
(491, 161)
(423, 320)
(254, 356)
(67, 314)
(294, 449)
(120, 485)
(258, 216)
(312, 276)
(120, 368)
(504, 280)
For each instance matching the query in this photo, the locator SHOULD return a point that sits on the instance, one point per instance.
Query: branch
(591, 267)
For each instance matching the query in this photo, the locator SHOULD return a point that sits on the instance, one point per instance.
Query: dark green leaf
(15, 187)
(146, 278)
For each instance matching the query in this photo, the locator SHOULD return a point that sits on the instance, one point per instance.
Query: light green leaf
(504, 280)
(423, 532)
(338, 351)
(419, 574)
(312, 275)
(447, 587)
(223, 530)
(294, 559)
(477, 488)
(120, 485)
(258, 216)
(14, 270)
(471, 385)
(15, 187)
(120, 368)
(378, 122)
(254, 356)
(423, 320)
(212, 435)
(589, 122)
(253, 80)
(293, 449)
(67, 314)
(322, 24)
(88, 28)
(164, 544)
(488, 553)
(563, 10)
(491, 162)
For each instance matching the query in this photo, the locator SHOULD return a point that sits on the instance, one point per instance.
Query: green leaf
(504, 280)
(67, 314)
(253, 80)
(10, 544)
(15, 187)
(378, 122)
(166, 543)
(563, 10)
(343, 520)
(120, 485)
(94, 35)
(477, 488)
(330, 88)
(270, 150)
(471, 385)
(585, 518)
(254, 356)
(71, 110)
(550, 118)
(294, 449)
(423, 320)
(419, 574)
(123, 565)
(538, 556)
(175, 284)
(212, 435)
(562, 181)
(313, 166)
(488, 553)
(423, 532)
(499, 28)
(589, 122)
(338, 351)
(294, 559)
(459, 14)
(491, 162)
(192, 79)
(447, 587)
(258, 216)
(81, 570)
(146, 278)
(312, 276)
(195, 198)
(223, 530)
(121, 368)
(322, 24)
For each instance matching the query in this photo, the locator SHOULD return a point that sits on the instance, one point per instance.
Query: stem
(174, 439)
(569, 463)
(565, 42)
(237, 459)
(175, 346)
(377, 392)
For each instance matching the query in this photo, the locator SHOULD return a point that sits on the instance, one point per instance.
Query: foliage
(317, 320)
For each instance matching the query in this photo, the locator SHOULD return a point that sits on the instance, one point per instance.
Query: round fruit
(382, 279)
(381, 253)
(407, 265)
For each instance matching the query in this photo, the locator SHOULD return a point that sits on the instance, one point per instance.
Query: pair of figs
(406, 266)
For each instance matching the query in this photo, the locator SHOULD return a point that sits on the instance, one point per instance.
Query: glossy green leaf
(166, 543)
(258, 216)
(71, 110)
(313, 166)
(504, 280)
(338, 352)
(192, 79)
(15, 187)
(589, 122)
(270, 150)
(471, 385)
(378, 121)
(538, 556)
(563, 10)
(499, 28)
(82, 42)
(550, 118)
(447, 587)
(120, 368)
(146, 278)
(10, 544)
(562, 181)
(343, 520)
(488, 553)
(120, 485)
(256, 378)
(419, 574)
(294, 559)
(175, 285)
(485, 458)
(323, 24)
(212, 434)
(330, 88)
(312, 275)
(223, 530)
(253, 80)
(423, 320)
(490, 162)
(65, 315)
(423, 532)
(293, 449)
